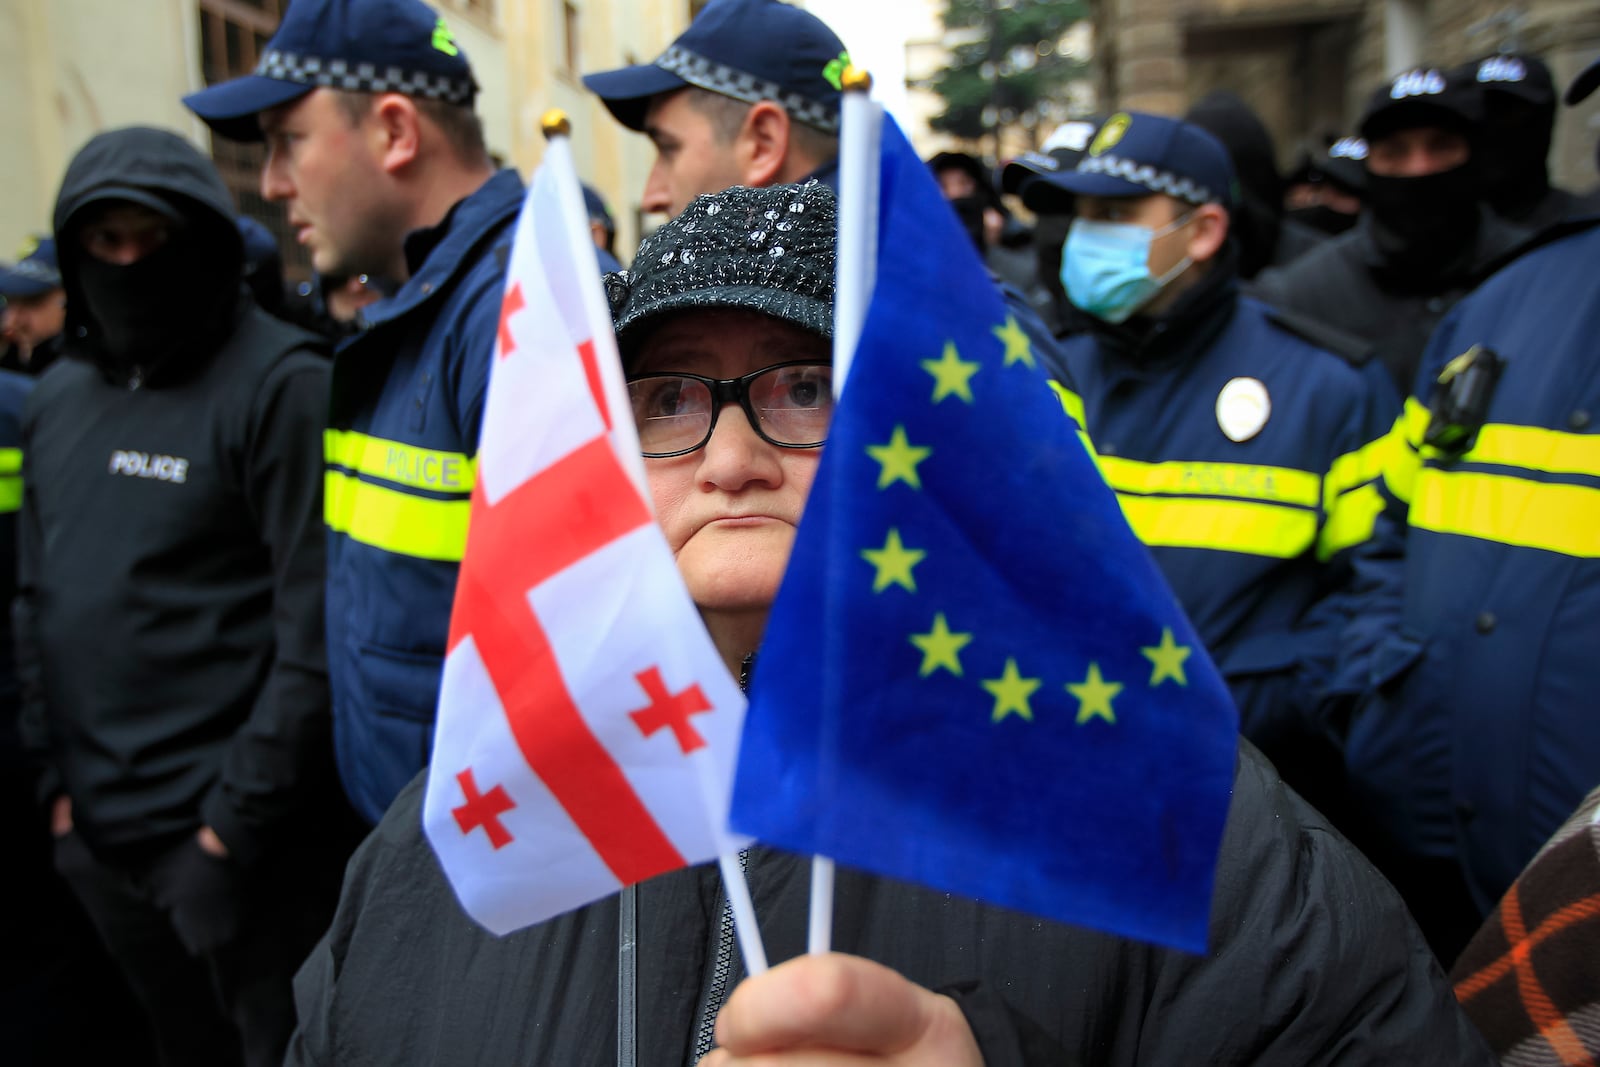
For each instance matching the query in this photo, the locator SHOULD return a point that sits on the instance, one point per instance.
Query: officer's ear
(1209, 232)
(762, 146)
(395, 130)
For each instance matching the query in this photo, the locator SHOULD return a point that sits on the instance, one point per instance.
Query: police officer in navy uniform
(169, 617)
(1241, 450)
(373, 146)
(34, 308)
(1426, 236)
(1473, 650)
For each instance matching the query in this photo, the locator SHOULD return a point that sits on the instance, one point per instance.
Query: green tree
(1007, 68)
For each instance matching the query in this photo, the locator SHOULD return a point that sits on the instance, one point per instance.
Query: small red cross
(512, 304)
(670, 710)
(483, 809)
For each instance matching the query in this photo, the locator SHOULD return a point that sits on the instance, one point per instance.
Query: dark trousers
(208, 948)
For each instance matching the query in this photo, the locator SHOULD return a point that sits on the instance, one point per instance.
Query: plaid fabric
(1530, 979)
(364, 77)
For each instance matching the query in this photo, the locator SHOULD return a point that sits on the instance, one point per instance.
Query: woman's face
(730, 509)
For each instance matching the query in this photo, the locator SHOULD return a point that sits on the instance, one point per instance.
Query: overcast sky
(875, 33)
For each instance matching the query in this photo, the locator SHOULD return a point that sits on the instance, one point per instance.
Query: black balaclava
(1425, 226)
(1519, 118)
(167, 309)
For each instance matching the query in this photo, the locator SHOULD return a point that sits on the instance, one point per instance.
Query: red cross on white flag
(587, 727)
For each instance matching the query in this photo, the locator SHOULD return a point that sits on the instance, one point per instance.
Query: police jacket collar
(1154, 343)
(435, 254)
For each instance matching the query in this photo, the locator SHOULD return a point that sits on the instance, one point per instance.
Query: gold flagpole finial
(855, 80)
(555, 123)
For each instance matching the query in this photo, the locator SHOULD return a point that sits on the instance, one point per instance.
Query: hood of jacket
(205, 261)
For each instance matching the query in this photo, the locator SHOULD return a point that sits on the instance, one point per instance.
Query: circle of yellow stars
(894, 563)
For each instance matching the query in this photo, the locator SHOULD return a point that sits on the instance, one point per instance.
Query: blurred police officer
(1060, 152)
(1519, 97)
(170, 610)
(35, 306)
(1325, 191)
(1426, 235)
(1238, 447)
(373, 147)
(1474, 649)
(602, 228)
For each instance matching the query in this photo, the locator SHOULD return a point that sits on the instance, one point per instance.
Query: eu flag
(974, 677)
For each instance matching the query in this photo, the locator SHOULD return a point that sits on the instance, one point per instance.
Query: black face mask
(1425, 223)
(1515, 177)
(160, 309)
(969, 209)
(1324, 218)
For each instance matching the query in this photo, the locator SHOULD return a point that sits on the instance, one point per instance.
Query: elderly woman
(1314, 960)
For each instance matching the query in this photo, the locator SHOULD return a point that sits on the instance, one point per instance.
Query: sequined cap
(768, 250)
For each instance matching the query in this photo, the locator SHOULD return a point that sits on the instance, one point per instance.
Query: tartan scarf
(1530, 978)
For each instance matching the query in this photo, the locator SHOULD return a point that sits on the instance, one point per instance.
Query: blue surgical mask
(1105, 267)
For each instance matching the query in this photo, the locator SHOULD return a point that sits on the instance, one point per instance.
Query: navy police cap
(35, 272)
(373, 46)
(1138, 154)
(1060, 151)
(750, 50)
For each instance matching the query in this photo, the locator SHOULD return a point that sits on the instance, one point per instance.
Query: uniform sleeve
(1372, 625)
(1307, 933)
(282, 757)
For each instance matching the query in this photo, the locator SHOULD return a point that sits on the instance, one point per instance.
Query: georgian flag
(587, 727)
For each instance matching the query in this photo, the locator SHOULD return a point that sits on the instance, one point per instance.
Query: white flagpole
(625, 440)
(861, 124)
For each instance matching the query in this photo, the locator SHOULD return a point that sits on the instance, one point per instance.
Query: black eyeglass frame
(730, 390)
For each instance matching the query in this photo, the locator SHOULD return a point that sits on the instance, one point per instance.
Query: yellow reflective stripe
(10, 461)
(1072, 404)
(396, 521)
(1511, 511)
(1357, 468)
(1225, 525)
(1404, 458)
(1350, 521)
(1242, 481)
(1554, 451)
(10, 493)
(402, 464)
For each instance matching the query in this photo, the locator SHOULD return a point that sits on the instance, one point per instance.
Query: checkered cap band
(1152, 178)
(720, 78)
(35, 271)
(364, 77)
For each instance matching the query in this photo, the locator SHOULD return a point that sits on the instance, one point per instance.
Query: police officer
(1242, 452)
(372, 144)
(1519, 98)
(35, 306)
(1426, 235)
(1473, 651)
(169, 618)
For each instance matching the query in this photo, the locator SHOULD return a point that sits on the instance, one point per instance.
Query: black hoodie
(171, 551)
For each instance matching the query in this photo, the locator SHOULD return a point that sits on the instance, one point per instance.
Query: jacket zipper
(716, 991)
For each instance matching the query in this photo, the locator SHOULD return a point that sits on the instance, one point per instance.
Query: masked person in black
(170, 609)
(1325, 190)
(1425, 238)
(1263, 235)
(1519, 97)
